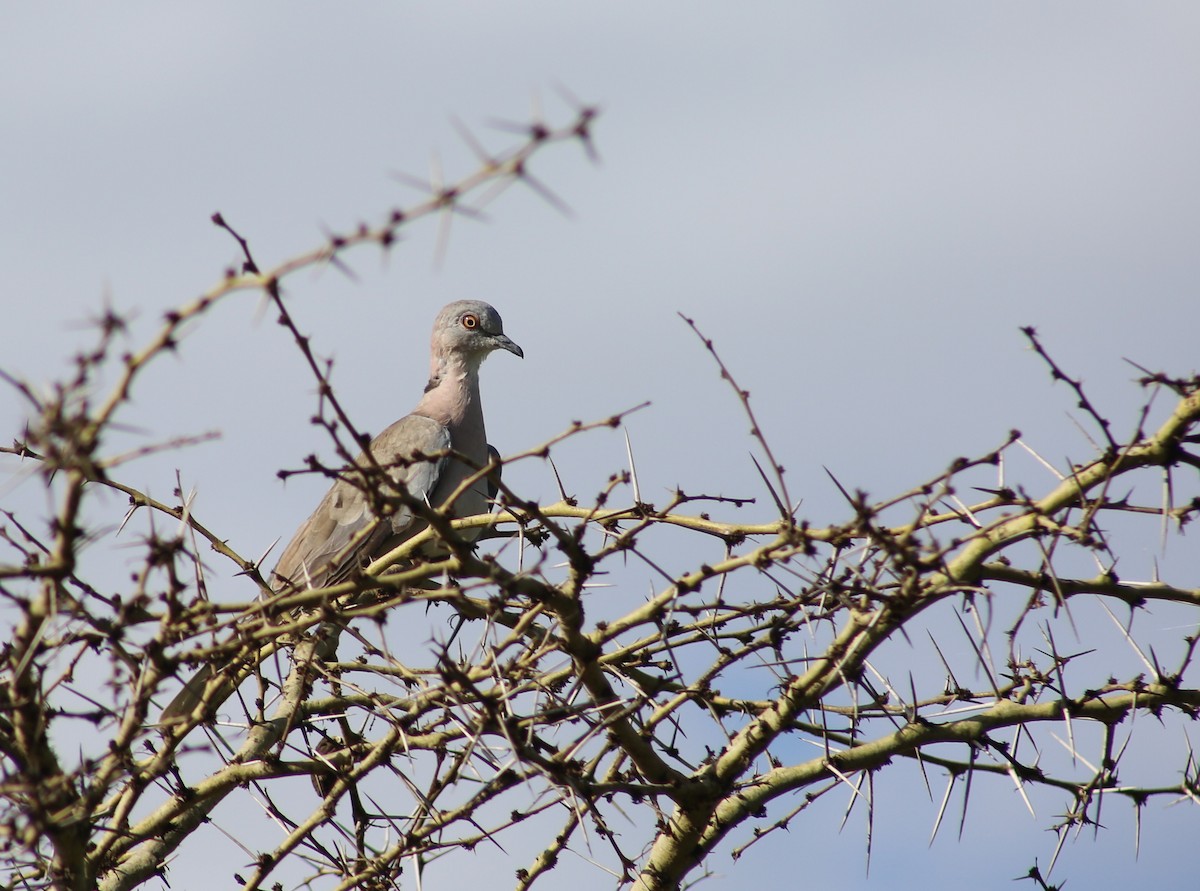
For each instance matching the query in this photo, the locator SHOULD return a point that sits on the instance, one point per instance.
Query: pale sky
(861, 203)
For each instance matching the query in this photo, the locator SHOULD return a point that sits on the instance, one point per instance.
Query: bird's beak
(503, 342)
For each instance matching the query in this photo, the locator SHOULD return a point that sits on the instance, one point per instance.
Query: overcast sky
(860, 202)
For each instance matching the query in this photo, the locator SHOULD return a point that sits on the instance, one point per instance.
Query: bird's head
(471, 329)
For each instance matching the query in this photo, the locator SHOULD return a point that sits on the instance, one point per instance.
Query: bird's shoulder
(411, 435)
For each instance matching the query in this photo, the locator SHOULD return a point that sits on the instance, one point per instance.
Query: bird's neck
(452, 394)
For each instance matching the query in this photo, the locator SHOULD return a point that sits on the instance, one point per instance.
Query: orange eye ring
(470, 321)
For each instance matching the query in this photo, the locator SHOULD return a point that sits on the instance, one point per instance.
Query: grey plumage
(341, 535)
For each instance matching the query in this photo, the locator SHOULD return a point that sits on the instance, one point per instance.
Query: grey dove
(340, 536)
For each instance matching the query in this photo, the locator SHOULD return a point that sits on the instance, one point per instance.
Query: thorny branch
(536, 717)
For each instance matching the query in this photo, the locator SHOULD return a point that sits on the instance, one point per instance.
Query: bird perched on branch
(434, 455)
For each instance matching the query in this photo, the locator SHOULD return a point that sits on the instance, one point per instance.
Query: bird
(430, 452)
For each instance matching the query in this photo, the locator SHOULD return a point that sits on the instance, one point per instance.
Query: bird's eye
(470, 321)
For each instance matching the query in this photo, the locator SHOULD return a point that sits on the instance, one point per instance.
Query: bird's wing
(493, 477)
(341, 534)
(325, 549)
